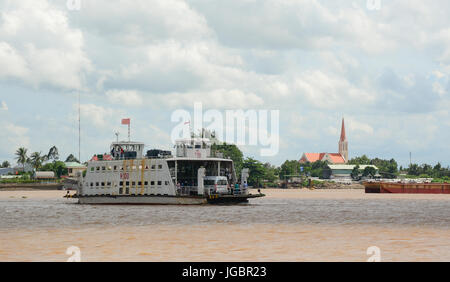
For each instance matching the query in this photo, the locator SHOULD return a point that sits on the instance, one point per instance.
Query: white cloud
(143, 21)
(439, 89)
(313, 60)
(219, 99)
(12, 136)
(99, 116)
(16, 65)
(359, 127)
(438, 74)
(4, 106)
(124, 97)
(39, 47)
(329, 91)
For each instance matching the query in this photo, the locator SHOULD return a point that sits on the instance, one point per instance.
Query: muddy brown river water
(287, 225)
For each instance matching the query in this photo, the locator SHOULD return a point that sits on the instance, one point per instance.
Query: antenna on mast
(79, 128)
(117, 136)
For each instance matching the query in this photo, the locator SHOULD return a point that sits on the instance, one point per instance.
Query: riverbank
(30, 186)
(270, 194)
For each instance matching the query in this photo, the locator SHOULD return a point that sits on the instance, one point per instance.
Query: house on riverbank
(6, 171)
(15, 170)
(73, 168)
(344, 172)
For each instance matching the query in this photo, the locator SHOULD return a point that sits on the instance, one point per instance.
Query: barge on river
(407, 188)
(194, 176)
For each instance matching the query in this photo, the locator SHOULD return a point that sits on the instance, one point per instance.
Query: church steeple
(343, 137)
(343, 143)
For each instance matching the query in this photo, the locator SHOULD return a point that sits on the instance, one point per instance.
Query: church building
(332, 158)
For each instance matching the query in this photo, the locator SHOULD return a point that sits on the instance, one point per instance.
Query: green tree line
(41, 162)
(260, 173)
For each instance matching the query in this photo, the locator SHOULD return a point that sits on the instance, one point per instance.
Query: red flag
(126, 121)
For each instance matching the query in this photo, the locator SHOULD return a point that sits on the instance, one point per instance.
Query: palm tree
(36, 160)
(53, 154)
(71, 158)
(6, 164)
(21, 156)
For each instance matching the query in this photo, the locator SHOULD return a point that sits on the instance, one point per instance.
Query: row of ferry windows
(127, 183)
(127, 191)
(121, 168)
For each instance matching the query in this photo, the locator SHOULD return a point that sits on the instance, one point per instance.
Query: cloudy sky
(385, 70)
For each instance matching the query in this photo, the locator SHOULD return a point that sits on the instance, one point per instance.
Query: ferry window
(108, 184)
(109, 168)
(159, 183)
(98, 168)
(127, 183)
(167, 183)
(92, 184)
(127, 191)
(209, 182)
(134, 167)
(121, 183)
(92, 168)
(153, 166)
(133, 183)
(120, 190)
(146, 167)
(96, 184)
(146, 183)
(159, 166)
(103, 184)
(115, 167)
(121, 168)
(140, 167)
(139, 183)
(152, 183)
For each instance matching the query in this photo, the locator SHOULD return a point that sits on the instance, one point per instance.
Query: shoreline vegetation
(262, 175)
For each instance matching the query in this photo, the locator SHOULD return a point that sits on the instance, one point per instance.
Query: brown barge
(407, 188)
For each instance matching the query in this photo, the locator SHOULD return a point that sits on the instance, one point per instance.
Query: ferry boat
(194, 176)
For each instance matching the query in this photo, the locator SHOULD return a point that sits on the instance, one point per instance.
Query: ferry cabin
(128, 172)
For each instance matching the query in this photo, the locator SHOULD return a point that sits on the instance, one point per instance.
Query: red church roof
(335, 158)
(314, 157)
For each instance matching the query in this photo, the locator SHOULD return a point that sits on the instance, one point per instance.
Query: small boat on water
(193, 176)
(407, 188)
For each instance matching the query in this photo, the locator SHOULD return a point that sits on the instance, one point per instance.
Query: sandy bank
(270, 194)
(32, 194)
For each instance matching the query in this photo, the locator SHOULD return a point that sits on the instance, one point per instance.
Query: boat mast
(79, 128)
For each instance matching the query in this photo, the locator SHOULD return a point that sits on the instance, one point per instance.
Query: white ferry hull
(142, 200)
